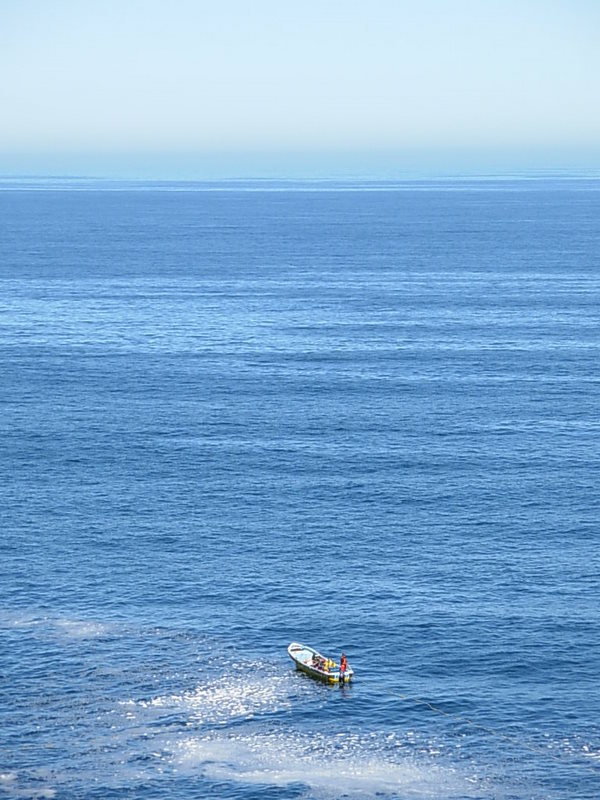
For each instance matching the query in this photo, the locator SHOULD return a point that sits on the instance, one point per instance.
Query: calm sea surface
(363, 418)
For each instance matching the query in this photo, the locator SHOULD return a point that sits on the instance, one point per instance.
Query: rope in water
(514, 740)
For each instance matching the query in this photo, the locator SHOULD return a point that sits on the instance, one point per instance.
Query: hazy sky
(195, 88)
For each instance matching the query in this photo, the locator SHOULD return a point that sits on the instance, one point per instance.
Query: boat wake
(213, 718)
(243, 730)
(323, 766)
(224, 699)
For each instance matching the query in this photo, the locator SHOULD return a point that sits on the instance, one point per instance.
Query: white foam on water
(328, 766)
(202, 736)
(60, 626)
(574, 749)
(226, 698)
(19, 619)
(589, 752)
(81, 629)
(10, 788)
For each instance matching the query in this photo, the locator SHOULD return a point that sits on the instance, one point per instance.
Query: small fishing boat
(316, 665)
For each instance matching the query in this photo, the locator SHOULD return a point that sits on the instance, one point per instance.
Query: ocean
(362, 416)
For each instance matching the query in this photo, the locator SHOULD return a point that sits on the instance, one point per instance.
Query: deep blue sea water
(361, 417)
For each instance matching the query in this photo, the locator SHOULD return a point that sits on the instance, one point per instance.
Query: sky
(275, 88)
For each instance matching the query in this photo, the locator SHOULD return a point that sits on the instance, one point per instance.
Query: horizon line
(534, 173)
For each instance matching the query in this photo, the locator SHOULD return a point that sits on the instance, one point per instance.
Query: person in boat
(343, 666)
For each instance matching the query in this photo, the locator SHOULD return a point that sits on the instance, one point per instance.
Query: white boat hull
(303, 657)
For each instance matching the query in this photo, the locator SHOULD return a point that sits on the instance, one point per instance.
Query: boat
(316, 665)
